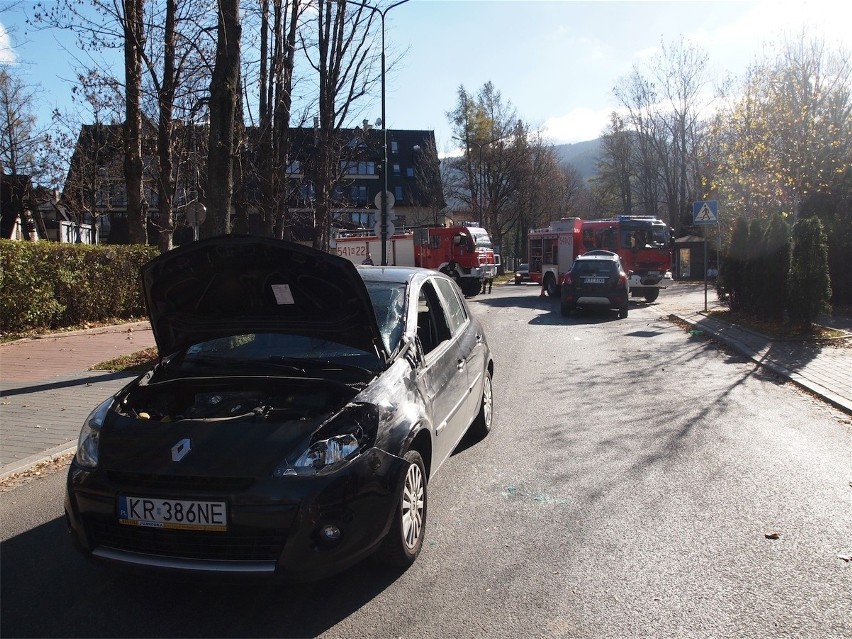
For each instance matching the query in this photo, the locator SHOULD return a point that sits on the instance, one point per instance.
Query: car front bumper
(273, 524)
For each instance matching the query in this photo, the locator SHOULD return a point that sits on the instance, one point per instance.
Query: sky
(555, 61)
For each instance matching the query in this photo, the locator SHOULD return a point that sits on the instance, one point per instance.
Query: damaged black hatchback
(299, 408)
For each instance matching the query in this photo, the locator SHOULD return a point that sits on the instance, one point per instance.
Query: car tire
(652, 295)
(481, 426)
(566, 309)
(405, 538)
(470, 287)
(550, 285)
(622, 312)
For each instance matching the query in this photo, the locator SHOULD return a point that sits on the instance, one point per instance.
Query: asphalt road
(630, 488)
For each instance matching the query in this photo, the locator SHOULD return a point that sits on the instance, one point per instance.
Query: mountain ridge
(583, 156)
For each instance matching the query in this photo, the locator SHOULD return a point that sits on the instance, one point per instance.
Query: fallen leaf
(772, 535)
(846, 558)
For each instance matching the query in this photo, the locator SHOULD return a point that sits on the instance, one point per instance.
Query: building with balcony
(95, 181)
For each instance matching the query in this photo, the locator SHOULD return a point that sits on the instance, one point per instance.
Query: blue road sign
(705, 212)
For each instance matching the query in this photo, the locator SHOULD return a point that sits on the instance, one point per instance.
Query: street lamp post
(384, 212)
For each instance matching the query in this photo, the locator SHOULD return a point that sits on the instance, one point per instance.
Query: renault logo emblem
(181, 449)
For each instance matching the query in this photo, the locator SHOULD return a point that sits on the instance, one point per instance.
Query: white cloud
(578, 125)
(7, 53)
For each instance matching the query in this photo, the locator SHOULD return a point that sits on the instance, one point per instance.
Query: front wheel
(651, 295)
(550, 285)
(481, 426)
(470, 286)
(405, 538)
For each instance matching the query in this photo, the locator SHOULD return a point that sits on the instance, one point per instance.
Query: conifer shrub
(808, 286)
(775, 268)
(732, 272)
(754, 291)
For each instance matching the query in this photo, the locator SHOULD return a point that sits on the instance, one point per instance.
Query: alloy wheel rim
(412, 506)
(487, 402)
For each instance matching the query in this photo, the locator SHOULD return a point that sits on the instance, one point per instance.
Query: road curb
(28, 463)
(825, 394)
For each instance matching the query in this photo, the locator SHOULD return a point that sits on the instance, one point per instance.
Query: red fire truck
(642, 242)
(462, 252)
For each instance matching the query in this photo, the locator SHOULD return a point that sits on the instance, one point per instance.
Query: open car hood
(234, 285)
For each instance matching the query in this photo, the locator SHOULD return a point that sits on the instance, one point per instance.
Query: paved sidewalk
(821, 367)
(47, 389)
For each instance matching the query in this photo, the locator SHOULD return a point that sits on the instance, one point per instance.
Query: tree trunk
(165, 146)
(223, 102)
(136, 212)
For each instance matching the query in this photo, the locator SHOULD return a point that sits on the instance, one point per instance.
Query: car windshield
(388, 299)
(274, 350)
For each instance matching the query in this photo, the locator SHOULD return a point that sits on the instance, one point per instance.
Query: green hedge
(44, 285)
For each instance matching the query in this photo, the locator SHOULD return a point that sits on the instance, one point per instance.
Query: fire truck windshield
(639, 235)
(480, 238)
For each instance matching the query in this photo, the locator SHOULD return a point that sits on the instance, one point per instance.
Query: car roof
(599, 257)
(397, 274)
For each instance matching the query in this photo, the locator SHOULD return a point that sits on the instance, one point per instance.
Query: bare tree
(344, 59)
(615, 171)
(133, 167)
(665, 107)
(577, 196)
(427, 173)
(275, 103)
(20, 136)
(174, 60)
(495, 154)
(224, 89)
(113, 24)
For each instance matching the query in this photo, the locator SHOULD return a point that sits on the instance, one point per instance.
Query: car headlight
(90, 434)
(340, 439)
(327, 452)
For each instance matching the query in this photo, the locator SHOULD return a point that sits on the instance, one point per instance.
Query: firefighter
(368, 261)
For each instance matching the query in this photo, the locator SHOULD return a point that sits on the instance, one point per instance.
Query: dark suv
(596, 279)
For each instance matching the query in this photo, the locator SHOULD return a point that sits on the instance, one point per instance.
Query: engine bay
(237, 397)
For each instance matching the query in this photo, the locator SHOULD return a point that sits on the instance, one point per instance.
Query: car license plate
(595, 280)
(173, 513)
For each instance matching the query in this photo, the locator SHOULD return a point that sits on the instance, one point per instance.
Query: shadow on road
(49, 590)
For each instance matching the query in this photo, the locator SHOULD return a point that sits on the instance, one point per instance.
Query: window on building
(394, 146)
(396, 170)
(359, 193)
(357, 168)
(410, 171)
(362, 219)
(397, 193)
(294, 167)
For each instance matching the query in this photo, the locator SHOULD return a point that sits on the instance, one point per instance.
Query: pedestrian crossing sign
(705, 212)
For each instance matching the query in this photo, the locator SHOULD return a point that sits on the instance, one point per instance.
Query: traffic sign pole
(706, 212)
